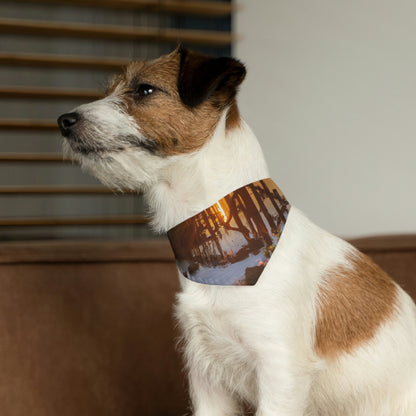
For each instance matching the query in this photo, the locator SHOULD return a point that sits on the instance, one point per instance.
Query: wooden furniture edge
(393, 242)
(85, 251)
(157, 250)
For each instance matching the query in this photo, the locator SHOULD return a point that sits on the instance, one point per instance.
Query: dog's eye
(143, 90)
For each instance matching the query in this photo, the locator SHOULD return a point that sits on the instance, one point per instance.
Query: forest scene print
(231, 242)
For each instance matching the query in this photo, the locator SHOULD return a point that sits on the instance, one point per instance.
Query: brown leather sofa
(86, 328)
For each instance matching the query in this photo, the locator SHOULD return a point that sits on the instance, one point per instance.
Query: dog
(324, 331)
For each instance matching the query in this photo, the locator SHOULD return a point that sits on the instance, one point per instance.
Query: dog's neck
(231, 159)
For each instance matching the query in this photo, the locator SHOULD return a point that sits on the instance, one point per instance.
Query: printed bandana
(231, 242)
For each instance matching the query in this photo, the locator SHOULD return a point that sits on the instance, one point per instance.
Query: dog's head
(154, 111)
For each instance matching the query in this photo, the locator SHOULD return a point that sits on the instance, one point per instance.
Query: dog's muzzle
(67, 122)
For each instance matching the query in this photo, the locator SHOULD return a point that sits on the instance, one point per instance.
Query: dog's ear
(202, 77)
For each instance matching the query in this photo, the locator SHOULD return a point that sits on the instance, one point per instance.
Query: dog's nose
(67, 121)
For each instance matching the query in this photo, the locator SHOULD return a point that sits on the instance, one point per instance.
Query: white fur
(257, 343)
(107, 122)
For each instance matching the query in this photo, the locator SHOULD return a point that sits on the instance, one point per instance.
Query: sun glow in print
(222, 211)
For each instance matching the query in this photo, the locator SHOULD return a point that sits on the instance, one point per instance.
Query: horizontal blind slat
(48, 93)
(202, 8)
(68, 221)
(60, 190)
(63, 29)
(61, 61)
(17, 124)
(32, 157)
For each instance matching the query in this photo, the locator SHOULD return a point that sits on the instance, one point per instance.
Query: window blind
(55, 55)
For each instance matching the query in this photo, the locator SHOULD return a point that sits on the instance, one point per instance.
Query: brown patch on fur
(354, 302)
(233, 116)
(162, 117)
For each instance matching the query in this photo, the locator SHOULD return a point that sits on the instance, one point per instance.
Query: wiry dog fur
(324, 331)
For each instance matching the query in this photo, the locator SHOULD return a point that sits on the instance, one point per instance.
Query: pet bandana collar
(231, 242)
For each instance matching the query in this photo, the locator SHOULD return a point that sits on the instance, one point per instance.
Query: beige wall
(331, 95)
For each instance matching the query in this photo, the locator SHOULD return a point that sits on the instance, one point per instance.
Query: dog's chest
(215, 343)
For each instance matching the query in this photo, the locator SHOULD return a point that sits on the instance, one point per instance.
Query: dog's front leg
(209, 399)
(283, 386)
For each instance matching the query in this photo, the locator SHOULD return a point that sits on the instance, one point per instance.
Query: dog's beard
(126, 168)
(93, 143)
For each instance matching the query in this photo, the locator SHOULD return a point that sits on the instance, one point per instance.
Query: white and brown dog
(324, 331)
